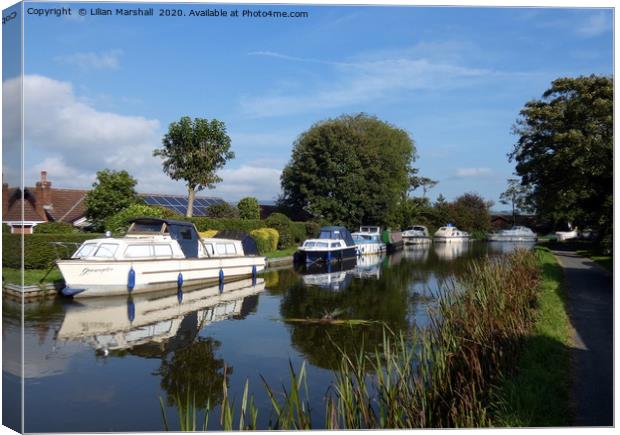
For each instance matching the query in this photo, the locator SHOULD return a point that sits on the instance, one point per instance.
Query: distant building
(43, 203)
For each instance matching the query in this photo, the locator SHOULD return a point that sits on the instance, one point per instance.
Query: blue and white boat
(368, 241)
(333, 244)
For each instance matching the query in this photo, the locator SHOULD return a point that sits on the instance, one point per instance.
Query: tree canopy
(112, 192)
(249, 208)
(193, 151)
(352, 170)
(564, 153)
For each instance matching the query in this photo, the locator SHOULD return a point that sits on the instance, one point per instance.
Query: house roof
(67, 205)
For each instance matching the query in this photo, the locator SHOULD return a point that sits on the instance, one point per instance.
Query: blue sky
(100, 91)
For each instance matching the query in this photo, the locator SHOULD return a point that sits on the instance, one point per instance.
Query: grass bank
(537, 394)
(31, 276)
(281, 253)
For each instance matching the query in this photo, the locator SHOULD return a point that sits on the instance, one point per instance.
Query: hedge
(39, 253)
(245, 225)
(266, 239)
(55, 228)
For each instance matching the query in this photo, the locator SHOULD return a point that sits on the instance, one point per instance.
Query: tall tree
(112, 192)
(193, 150)
(517, 196)
(565, 151)
(350, 170)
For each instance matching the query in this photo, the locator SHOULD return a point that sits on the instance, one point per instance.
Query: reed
(443, 376)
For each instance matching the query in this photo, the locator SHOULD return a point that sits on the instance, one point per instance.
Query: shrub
(208, 234)
(6, 229)
(266, 239)
(245, 225)
(298, 231)
(249, 208)
(284, 226)
(312, 229)
(119, 222)
(54, 228)
(222, 210)
(40, 252)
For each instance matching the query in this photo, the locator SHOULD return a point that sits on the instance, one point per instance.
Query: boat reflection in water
(450, 251)
(332, 276)
(418, 253)
(369, 266)
(118, 323)
(508, 247)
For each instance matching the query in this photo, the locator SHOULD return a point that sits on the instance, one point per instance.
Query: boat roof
(333, 228)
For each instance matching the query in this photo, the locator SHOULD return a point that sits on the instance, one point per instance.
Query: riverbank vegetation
(456, 373)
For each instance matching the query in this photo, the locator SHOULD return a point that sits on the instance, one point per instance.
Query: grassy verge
(281, 253)
(31, 276)
(537, 394)
(607, 261)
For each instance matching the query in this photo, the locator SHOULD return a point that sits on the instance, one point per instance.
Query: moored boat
(417, 234)
(393, 240)
(333, 244)
(155, 254)
(450, 233)
(515, 234)
(368, 241)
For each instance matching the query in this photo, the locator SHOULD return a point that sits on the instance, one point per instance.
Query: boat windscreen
(144, 227)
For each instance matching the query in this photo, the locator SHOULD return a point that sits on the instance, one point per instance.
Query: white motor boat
(515, 234)
(155, 254)
(566, 235)
(333, 244)
(417, 234)
(450, 233)
(368, 241)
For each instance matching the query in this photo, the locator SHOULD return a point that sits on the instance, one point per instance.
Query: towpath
(590, 302)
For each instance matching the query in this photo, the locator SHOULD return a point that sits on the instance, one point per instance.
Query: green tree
(249, 208)
(470, 212)
(565, 152)
(222, 210)
(350, 170)
(517, 196)
(193, 150)
(112, 192)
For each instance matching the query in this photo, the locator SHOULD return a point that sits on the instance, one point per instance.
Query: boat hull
(107, 278)
(455, 239)
(416, 240)
(327, 256)
(371, 248)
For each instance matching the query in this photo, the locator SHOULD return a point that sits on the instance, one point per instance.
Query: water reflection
(332, 276)
(110, 324)
(369, 266)
(417, 253)
(508, 247)
(451, 251)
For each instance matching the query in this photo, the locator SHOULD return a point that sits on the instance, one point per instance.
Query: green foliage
(350, 170)
(222, 210)
(249, 208)
(285, 228)
(119, 222)
(54, 228)
(470, 212)
(266, 239)
(6, 229)
(112, 192)
(40, 252)
(246, 225)
(193, 151)
(564, 153)
(312, 229)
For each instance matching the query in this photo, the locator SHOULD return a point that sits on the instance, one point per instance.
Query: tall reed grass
(440, 377)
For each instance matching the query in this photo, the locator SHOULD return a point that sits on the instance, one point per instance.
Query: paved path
(590, 305)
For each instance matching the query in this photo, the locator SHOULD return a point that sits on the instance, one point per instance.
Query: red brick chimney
(43, 194)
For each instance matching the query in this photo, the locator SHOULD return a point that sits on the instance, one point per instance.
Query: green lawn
(281, 253)
(537, 395)
(607, 261)
(31, 276)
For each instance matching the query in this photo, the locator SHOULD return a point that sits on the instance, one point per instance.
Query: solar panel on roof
(149, 200)
(175, 201)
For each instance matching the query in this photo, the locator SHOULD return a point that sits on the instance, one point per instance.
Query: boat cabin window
(336, 245)
(86, 250)
(226, 248)
(135, 251)
(330, 235)
(162, 250)
(143, 227)
(186, 234)
(106, 250)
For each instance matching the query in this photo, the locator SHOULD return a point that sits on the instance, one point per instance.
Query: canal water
(97, 365)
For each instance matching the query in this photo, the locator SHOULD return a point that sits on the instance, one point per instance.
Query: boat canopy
(337, 233)
(183, 232)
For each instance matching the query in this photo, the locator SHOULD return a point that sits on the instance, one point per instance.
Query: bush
(54, 228)
(245, 225)
(39, 250)
(266, 239)
(284, 226)
(249, 208)
(312, 229)
(119, 222)
(6, 229)
(298, 231)
(222, 210)
(207, 234)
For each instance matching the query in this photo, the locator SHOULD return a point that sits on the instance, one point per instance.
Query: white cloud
(91, 60)
(249, 180)
(360, 82)
(473, 172)
(595, 24)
